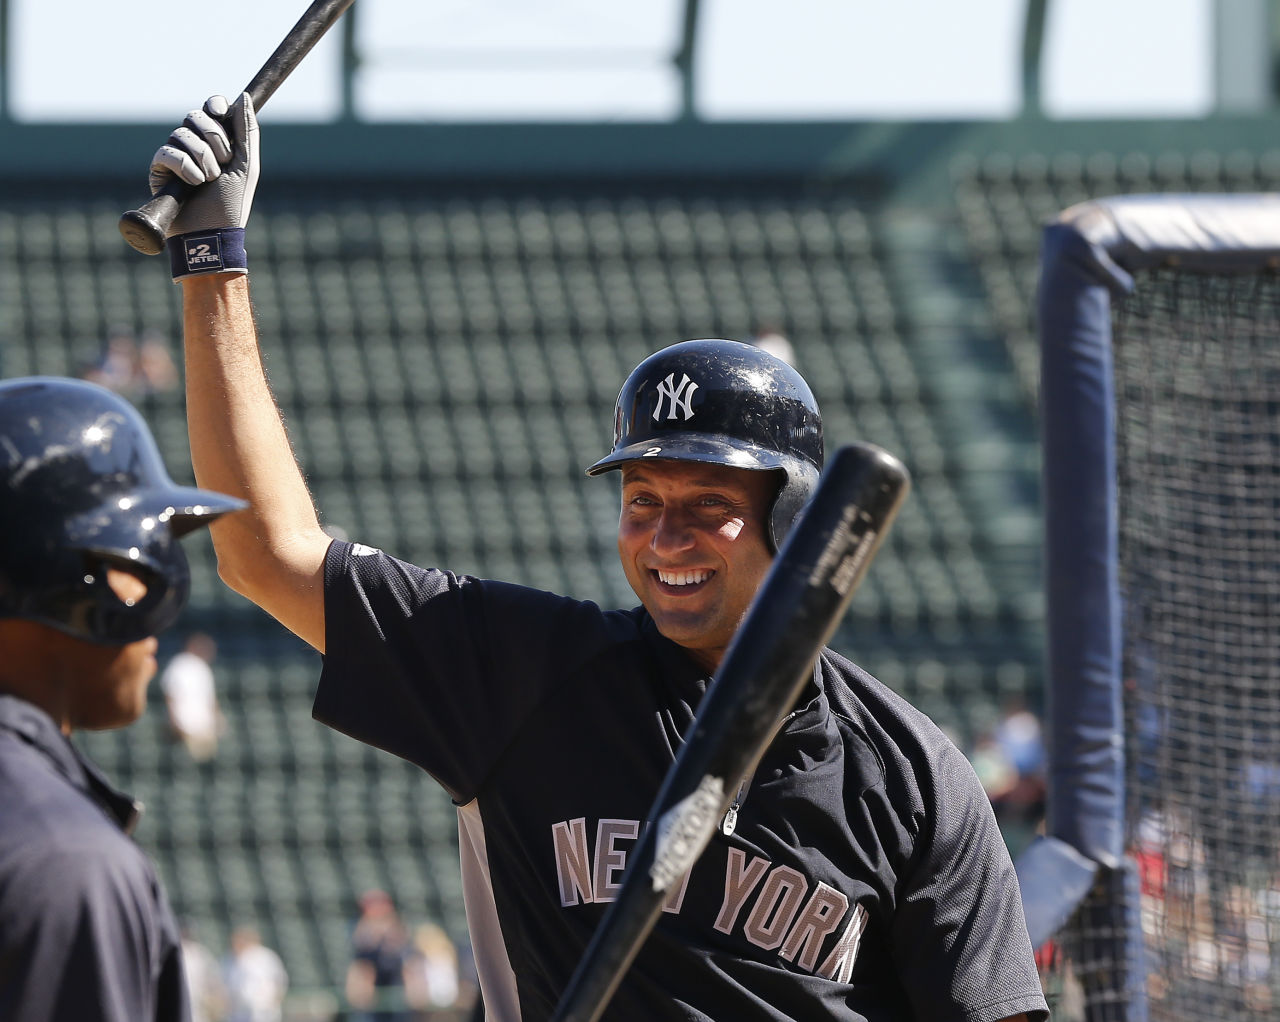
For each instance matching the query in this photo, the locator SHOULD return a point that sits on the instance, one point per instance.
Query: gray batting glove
(216, 150)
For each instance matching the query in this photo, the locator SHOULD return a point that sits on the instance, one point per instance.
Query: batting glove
(215, 149)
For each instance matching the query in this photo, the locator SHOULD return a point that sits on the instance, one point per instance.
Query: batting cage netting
(1156, 893)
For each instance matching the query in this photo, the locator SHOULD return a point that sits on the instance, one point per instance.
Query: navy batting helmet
(727, 403)
(82, 488)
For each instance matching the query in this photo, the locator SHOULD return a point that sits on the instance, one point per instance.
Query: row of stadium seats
(1003, 202)
(496, 227)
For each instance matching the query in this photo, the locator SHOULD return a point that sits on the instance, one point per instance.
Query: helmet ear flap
(115, 621)
(801, 480)
(81, 601)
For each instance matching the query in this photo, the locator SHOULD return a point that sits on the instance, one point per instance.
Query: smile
(683, 578)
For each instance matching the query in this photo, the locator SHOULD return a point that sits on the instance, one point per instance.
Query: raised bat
(792, 617)
(145, 227)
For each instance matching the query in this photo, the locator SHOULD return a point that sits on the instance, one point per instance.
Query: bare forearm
(272, 553)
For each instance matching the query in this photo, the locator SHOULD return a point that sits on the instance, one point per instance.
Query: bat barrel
(313, 24)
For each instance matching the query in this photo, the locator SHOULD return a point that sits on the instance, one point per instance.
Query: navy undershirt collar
(691, 680)
(36, 728)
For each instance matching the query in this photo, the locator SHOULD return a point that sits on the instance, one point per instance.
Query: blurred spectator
(195, 718)
(117, 366)
(431, 972)
(379, 954)
(131, 366)
(772, 340)
(994, 768)
(469, 1005)
(255, 979)
(1011, 764)
(204, 979)
(156, 371)
(1019, 735)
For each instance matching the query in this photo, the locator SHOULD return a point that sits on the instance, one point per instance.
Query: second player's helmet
(727, 403)
(83, 488)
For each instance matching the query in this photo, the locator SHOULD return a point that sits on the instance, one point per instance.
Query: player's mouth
(683, 581)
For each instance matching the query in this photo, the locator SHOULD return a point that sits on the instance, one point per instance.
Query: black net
(1091, 971)
(1197, 362)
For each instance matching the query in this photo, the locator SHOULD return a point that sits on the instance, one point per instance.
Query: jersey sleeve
(959, 934)
(437, 668)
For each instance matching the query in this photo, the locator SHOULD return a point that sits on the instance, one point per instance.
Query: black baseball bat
(792, 617)
(145, 227)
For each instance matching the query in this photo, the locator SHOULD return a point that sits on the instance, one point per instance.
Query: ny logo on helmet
(678, 396)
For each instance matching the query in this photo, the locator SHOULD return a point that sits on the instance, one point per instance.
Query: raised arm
(275, 554)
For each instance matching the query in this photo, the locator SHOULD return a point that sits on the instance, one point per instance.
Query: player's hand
(215, 149)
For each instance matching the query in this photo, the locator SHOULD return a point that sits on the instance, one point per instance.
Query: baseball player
(90, 572)
(859, 873)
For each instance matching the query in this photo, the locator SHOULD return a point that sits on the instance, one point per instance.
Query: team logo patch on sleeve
(203, 252)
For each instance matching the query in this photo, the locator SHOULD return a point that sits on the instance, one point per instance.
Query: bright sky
(600, 60)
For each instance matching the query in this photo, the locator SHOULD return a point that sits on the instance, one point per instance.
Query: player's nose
(673, 532)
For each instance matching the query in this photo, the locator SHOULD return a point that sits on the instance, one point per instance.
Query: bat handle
(145, 228)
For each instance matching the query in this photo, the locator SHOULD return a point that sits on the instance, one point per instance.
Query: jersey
(865, 878)
(86, 933)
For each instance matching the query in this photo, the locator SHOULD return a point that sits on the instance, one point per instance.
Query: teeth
(683, 578)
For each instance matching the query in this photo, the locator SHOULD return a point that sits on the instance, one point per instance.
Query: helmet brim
(183, 508)
(710, 449)
(193, 507)
(133, 521)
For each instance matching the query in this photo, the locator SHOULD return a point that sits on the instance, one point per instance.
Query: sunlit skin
(80, 684)
(696, 519)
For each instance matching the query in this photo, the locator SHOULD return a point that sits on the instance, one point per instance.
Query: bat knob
(145, 228)
(141, 232)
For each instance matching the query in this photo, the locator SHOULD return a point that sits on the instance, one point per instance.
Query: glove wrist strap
(220, 250)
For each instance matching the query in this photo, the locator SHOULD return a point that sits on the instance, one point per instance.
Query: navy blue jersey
(865, 878)
(86, 933)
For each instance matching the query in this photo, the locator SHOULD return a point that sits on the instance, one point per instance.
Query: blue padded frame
(1088, 258)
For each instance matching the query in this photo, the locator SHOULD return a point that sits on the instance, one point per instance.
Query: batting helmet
(726, 403)
(82, 488)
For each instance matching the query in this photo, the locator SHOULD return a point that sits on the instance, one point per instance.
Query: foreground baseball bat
(763, 672)
(145, 227)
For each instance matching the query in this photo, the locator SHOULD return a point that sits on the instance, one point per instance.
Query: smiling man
(715, 468)
(692, 542)
(859, 874)
(90, 572)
